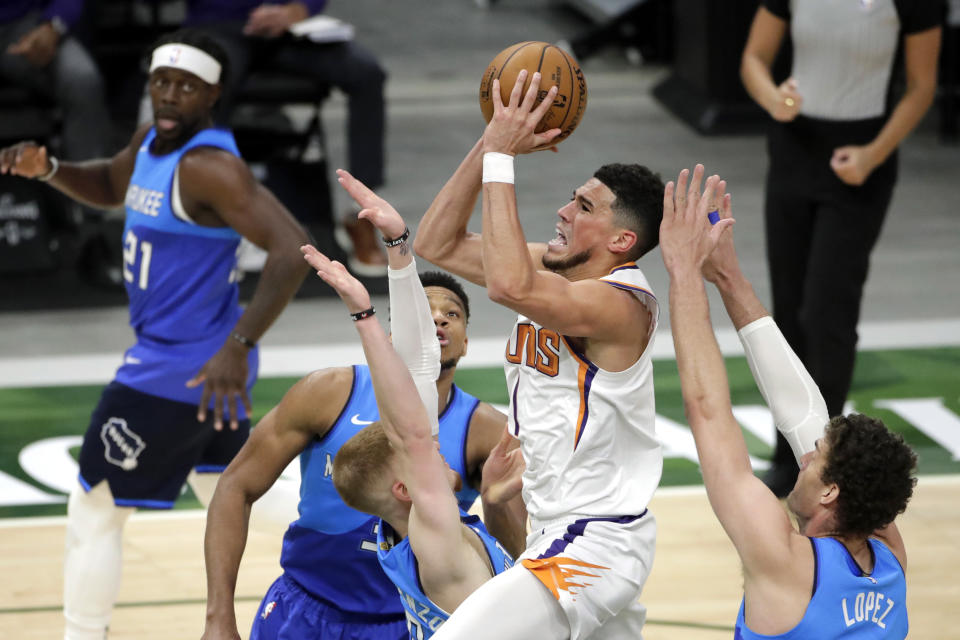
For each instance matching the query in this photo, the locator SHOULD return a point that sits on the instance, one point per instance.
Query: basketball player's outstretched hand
(512, 129)
(687, 236)
(24, 159)
(723, 262)
(354, 295)
(378, 211)
(502, 476)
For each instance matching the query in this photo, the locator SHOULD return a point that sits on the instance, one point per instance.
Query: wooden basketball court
(693, 593)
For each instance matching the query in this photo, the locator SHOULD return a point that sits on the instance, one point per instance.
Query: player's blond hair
(360, 468)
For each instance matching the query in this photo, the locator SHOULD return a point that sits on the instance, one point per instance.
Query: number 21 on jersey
(130, 272)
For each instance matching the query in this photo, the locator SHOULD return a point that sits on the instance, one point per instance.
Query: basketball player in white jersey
(580, 381)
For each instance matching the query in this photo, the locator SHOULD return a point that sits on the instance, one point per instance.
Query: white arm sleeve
(799, 410)
(415, 336)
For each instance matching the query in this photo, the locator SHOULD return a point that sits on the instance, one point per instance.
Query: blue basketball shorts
(144, 446)
(288, 612)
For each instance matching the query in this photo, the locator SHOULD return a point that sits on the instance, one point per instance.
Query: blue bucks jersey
(845, 603)
(180, 278)
(398, 562)
(453, 440)
(331, 549)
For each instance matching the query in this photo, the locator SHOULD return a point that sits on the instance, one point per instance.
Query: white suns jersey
(587, 434)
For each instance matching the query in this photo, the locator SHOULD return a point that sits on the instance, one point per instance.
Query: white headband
(183, 56)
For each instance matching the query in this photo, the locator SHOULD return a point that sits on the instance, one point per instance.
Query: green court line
(175, 603)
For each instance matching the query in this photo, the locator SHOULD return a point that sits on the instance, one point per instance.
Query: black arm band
(399, 239)
(360, 315)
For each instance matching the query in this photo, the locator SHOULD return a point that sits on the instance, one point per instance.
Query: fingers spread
(725, 225)
(495, 96)
(314, 258)
(668, 192)
(518, 89)
(202, 407)
(196, 380)
(543, 139)
(530, 98)
(682, 188)
(546, 103)
(218, 402)
(705, 204)
(232, 408)
(693, 191)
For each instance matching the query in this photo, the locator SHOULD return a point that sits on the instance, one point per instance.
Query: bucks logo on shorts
(121, 445)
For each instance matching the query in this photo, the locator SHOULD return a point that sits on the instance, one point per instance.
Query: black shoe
(780, 478)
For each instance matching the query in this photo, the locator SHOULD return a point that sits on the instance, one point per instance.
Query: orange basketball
(556, 67)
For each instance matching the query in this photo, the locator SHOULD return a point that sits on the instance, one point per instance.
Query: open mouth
(560, 240)
(442, 337)
(166, 123)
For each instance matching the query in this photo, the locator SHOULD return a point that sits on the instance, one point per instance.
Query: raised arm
(307, 410)
(799, 410)
(747, 510)
(412, 330)
(99, 183)
(796, 403)
(219, 184)
(434, 523)
(514, 278)
(442, 236)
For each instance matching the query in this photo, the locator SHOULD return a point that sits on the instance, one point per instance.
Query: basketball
(556, 67)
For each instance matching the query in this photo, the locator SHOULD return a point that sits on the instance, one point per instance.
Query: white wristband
(497, 167)
(54, 166)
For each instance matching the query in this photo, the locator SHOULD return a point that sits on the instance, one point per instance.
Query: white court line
(99, 368)
(196, 514)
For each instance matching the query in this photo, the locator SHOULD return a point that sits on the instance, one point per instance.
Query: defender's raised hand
(723, 261)
(375, 209)
(354, 295)
(689, 233)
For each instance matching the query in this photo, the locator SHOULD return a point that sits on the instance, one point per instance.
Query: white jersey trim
(176, 204)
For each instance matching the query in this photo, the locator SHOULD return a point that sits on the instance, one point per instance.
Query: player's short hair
(359, 468)
(200, 40)
(448, 282)
(638, 205)
(873, 467)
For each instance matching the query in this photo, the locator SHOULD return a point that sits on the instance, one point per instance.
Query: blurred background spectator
(38, 50)
(256, 37)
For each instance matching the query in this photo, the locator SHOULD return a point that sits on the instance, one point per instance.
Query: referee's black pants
(819, 235)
